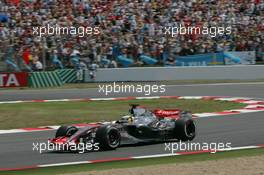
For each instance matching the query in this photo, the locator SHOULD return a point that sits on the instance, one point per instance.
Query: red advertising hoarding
(18, 79)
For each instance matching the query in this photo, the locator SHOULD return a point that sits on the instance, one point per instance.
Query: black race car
(141, 125)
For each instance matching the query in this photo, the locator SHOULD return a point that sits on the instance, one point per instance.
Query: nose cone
(59, 140)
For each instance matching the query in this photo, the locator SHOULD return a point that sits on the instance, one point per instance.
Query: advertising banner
(18, 79)
(200, 60)
(232, 58)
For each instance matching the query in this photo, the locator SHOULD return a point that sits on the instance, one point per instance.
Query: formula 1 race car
(141, 125)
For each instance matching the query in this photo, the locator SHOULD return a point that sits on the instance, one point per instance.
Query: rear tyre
(185, 129)
(66, 131)
(108, 137)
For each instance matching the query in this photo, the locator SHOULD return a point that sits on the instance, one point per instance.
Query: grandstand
(131, 32)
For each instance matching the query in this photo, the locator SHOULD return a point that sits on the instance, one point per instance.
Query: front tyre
(66, 131)
(185, 129)
(108, 137)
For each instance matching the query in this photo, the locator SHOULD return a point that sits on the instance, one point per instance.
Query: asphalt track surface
(240, 130)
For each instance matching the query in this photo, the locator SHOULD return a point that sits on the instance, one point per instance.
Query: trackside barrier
(44, 79)
(236, 72)
(67, 75)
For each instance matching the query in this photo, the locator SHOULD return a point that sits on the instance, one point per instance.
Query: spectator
(170, 62)
(55, 60)
(37, 66)
(93, 69)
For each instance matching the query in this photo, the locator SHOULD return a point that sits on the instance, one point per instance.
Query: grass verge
(57, 113)
(137, 163)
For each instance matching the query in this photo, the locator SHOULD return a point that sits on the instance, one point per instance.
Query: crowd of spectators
(129, 28)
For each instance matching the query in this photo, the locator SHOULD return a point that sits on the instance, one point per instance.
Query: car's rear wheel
(66, 131)
(108, 137)
(185, 129)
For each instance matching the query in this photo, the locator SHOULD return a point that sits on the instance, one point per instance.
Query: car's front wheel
(66, 131)
(108, 137)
